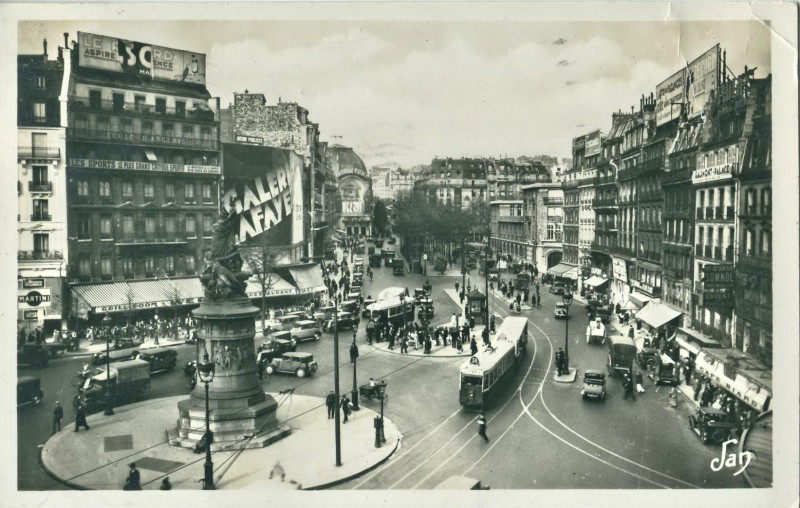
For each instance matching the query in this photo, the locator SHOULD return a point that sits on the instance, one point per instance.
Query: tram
(390, 310)
(485, 374)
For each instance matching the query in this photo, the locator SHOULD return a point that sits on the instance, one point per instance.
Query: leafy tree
(380, 217)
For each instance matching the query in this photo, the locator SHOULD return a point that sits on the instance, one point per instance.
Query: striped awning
(276, 286)
(559, 269)
(140, 294)
(308, 279)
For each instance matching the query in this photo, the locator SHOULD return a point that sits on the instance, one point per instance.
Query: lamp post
(107, 328)
(205, 371)
(382, 391)
(337, 434)
(354, 393)
(403, 305)
(567, 299)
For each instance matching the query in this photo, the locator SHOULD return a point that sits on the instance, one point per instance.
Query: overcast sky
(402, 92)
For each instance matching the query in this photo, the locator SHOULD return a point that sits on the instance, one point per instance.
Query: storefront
(563, 272)
(744, 377)
(659, 317)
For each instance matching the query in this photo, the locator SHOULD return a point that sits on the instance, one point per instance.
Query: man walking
(345, 407)
(58, 414)
(353, 351)
(560, 361)
(473, 346)
(80, 418)
(482, 427)
(330, 403)
(133, 482)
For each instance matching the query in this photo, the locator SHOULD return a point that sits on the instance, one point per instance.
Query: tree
(260, 258)
(380, 217)
(175, 297)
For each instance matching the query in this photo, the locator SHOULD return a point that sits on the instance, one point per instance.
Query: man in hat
(330, 402)
(482, 427)
(58, 414)
(133, 482)
(80, 418)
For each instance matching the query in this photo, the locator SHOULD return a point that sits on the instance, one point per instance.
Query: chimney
(44, 43)
(66, 40)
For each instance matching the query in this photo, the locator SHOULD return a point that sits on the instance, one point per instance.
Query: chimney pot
(66, 39)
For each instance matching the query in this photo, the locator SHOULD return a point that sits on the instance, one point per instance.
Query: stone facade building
(354, 203)
(543, 212)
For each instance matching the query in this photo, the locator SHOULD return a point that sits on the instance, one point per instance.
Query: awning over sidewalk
(142, 294)
(308, 279)
(727, 368)
(638, 299)
(276, 286)
(595, 281)
(657, 314)
(559, 269)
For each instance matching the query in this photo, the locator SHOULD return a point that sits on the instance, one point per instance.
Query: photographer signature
(732, 459)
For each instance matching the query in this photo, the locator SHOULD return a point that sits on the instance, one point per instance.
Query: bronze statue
(223, 277)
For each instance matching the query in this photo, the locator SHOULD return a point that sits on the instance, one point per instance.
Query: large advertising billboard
(141, 59)
(592, 144)
(691, 86)
(263, 186)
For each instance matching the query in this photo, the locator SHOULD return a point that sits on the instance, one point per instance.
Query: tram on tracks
(484, 375)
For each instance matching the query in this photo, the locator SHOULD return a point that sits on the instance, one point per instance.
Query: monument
(241, 414)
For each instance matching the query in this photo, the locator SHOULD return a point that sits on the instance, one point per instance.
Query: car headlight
(583, 392)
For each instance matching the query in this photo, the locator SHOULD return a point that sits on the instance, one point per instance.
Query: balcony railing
(141, 138)
(150, 110)
(510, 218)
(151, 239)
(39, 254)
(38, 152)
(39, 216)
(651, 196)
(553, 201)
(602, 180)
(40, 186)
(602, 203)
(675, 176)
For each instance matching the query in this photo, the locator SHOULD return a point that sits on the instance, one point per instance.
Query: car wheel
(270, 369)
(719, 436)
(301, 372)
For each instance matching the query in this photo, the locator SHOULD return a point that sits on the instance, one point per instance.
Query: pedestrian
(482, 427)
(627, 386)
(473, 346)
(456, 286)
(80, 418)
(639, 382)
(165, 484)
(428, 344)
(696, 386)
(133, 482)
(260, 366)
(538, 299)
(559, 361)
(330, 403)
(353, 351)
(631, 333)
(404, 345)
(58, 414)
(345, 405)
(461, 297)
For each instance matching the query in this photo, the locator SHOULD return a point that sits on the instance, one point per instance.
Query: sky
(403, 92)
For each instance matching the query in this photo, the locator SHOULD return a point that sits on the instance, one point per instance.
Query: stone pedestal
(238, 407)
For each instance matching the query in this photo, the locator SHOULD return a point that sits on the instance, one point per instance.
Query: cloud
(559, 42)
(563, 63)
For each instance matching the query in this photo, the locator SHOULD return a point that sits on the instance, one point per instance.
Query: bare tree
(260, 258)
(130, 300)
(175, 297)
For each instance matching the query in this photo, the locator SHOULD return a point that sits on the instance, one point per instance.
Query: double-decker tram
(485, 374)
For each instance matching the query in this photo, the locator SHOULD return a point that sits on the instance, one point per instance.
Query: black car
(29, 391)
(712, 425)
(119, 355)
(160, 359)
(34, 355)
(345, 320)
(274, 349)
(392, 241)
(367, 302)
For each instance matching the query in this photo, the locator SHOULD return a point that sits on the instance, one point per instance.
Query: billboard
(718, 283)
(140, 59)
(592, 144)
(691, 86)
(263, 186)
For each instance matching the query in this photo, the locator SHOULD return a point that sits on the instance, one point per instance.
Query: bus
(390, 310)
(485, 374)
(523, 280)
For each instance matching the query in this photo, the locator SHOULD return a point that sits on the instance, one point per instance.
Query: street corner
(566, 378)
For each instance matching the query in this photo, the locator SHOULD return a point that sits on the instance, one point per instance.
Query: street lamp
(205, 371)
(337, 434)
(403, 306)
(355, 366)
(567, 299)
(382, 394)
(107, 327)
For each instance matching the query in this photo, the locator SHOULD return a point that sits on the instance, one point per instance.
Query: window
(766, 201)
(190, 263)
(766, 242)
(149, 266)
(40, 210)
(188, 191)
(105, 226)
(161, 106)
(41, 242)
(180, 108)
(101, 124)
(191, 228)
(551, 231)
(147, 128)
(206, 192)
(149, 225)
(39, 112)
(105, 189)
(40, 175)
(127, 126)
(169, 265)
(41, 82)
(749, 238)
(168, 130)
(127, 267)
(149, 190)
(138, 103)
(205, 133)
(118, 101)
(105, 266)
(127, 225)
(127, 190)
(206, 224)
(94, 99)
(169, 225)
(85, 266)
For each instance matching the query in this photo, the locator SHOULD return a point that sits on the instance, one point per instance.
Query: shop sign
(33, 283)
(592, 144)
(718, 284)
(249, 140)
(690, 87)
(647, 288)
(619, 269)
(144, 305)
(144, 166)
(34, 299)
(30, 315)
(713, 173)
(353, 171)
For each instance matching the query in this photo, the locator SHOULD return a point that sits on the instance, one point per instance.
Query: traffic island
(568, 377)
(141, 433)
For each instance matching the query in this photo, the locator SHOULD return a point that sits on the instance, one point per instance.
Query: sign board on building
(140, 59)
(690, 86)
(36, 298)
(144, 166)
(263, 189)
(353, 171)
(714, 173)
(620, 269)
(30, 315)
(33, 283)
(718, 284)
(249, 140)
(593, 144)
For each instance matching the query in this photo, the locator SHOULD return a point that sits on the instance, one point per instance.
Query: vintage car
(34, 355)
(378, 243)
(29, 391)
(558, 288)
(349, 306)
(646, 355)
(367, 302)
(323, 314)
(594, 385)
(561, 310)
(288, 321)
(375, 260)
(345, 320)
(425, 308)
(306, 330)
(392, 240)
(119, 355)
(596, 332)
(388, 256)
(299, 364)
(358, 277)
(603, 312)
(665, 370)
(354, 295)
(160, 359)
(398, 267)
(621, 354)
(712, 425)
(273, 349)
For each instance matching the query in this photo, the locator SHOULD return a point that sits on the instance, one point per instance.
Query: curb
(52, 475)
(356, 475)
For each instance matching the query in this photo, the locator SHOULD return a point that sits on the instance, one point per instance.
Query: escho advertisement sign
(141, 59)
(592, 144)
(263, 187)
(718, 283)
(690, 86)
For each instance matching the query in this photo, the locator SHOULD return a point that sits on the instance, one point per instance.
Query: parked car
(345, 320)
(34, 355)
(119, 355)
(299, 364)
(273, 349)
(594, 385)
(29, 391)
(712, 425)
(375, 260)
(392, 240)
(558, 288)
(160, 359)
(561, 311)
(306, 330)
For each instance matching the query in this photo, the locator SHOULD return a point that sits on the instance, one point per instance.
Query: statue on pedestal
(223, 277)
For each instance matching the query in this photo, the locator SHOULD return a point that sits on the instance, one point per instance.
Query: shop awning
(753, 393)
(688, 346)
(693, 336)
(639, 299)
(570, 274)
(559, 269)
(629, 305)
(137, 295)
(595, 281)
(657, 314)
(276, 286)
(308, 279)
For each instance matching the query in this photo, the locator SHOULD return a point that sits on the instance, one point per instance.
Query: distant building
(388, 183)
(355, 191)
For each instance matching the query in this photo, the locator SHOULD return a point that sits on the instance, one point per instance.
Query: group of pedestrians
(344, 405)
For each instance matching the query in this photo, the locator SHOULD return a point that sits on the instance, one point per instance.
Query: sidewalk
(87, 349)
(98, 459)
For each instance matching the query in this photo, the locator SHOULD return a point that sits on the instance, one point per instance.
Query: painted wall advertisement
(592, 144)
(263, 186)
(352, 192)
(691, 86)
(141, 59)
(718, 283)
(620, 269)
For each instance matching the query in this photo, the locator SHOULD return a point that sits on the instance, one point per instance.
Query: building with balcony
(456, 182)
(389, 183)
(143, 173)
(42, 258)
(543, 214)
(507, 226)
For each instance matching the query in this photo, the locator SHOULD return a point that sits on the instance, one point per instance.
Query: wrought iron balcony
(41, 216)
(38, 152)
(39, 254)
(40, 186)
(138, 108)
